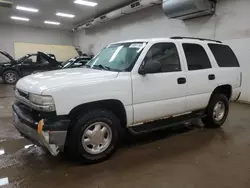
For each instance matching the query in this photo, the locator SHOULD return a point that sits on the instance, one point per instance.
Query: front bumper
(49, 134)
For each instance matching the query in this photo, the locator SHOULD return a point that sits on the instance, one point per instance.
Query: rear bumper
(52, 139)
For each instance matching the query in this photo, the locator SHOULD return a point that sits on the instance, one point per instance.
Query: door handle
(211, 77)
(181, 80)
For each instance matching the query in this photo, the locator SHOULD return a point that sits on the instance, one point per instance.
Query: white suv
(137, 85)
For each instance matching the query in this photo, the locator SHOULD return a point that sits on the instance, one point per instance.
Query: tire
(213, 119)
(78, 149)
(10, 77)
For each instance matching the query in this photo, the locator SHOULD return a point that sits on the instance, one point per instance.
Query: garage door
(62, 53)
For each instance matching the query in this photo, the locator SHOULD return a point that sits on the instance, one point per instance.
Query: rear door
(201, 76)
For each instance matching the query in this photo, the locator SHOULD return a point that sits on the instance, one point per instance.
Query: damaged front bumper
(49, 133)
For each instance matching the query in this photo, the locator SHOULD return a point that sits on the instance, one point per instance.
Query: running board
(165, 123)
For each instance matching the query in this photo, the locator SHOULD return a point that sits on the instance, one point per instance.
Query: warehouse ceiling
(48, 8)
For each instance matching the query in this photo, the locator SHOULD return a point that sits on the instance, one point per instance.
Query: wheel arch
(113, 105)
(222, 89)
(11, 69)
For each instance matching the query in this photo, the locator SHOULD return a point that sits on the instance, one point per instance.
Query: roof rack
(177, 37)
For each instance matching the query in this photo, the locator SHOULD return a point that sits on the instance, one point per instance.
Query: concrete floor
(184, 157)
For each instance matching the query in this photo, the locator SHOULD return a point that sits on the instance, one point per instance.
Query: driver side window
(31, 59)
(166, 54)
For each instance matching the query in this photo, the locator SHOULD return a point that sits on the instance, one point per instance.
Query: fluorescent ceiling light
(52, 22)
(19, 18)
(65, 15)
(26, 9)
(87, 3)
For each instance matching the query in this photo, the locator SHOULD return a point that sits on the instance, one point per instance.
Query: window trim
(164, 42)
(204, 48)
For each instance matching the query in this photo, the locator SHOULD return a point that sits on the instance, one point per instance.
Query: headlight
(44, 102)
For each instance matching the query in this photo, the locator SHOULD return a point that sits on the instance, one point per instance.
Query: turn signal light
(40, 126)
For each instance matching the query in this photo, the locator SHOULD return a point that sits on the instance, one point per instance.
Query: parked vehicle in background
(11, 70)
(76, 62)
(137, 85)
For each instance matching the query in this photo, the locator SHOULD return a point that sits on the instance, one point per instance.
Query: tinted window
(166, 54)
(224, 55)
(196, 57)
(30, 59)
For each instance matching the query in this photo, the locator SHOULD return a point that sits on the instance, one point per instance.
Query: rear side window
(224, 55)
(196, 56)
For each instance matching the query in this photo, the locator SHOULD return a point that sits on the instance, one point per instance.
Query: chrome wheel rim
(219, 111)
(96, 138)
(10, 77)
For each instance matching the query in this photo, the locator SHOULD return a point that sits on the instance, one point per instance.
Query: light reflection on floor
(4, 181)
(2, 152)
(28, 146)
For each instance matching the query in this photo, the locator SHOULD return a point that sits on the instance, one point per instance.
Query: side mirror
(150, 67)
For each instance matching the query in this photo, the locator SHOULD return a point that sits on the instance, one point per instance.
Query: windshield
(117, 57)
(23, 58)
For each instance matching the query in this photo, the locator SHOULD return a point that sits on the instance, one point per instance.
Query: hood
(7, 55)
(38, 83)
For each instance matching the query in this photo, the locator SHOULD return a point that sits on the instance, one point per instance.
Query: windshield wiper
(87, 66)
(102, 67)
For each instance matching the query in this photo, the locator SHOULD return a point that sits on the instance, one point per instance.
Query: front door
(160, 94)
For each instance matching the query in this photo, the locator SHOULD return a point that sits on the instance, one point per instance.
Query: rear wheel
(217, 111)
(10, 77)
(94, 137)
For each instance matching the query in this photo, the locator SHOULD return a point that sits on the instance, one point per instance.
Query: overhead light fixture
(26, 9)
(86, 3)
(65, 15)
(19, 18)
(52, 22)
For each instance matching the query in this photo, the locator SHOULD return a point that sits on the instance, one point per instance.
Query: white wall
(230, 23)
(17, 33)
(242, 49)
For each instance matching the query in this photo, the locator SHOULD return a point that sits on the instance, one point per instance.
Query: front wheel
(10, 77)
(217, 111)
(94, 137)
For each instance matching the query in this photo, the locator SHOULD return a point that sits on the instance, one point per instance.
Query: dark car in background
(76, 62)
(11, 70)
